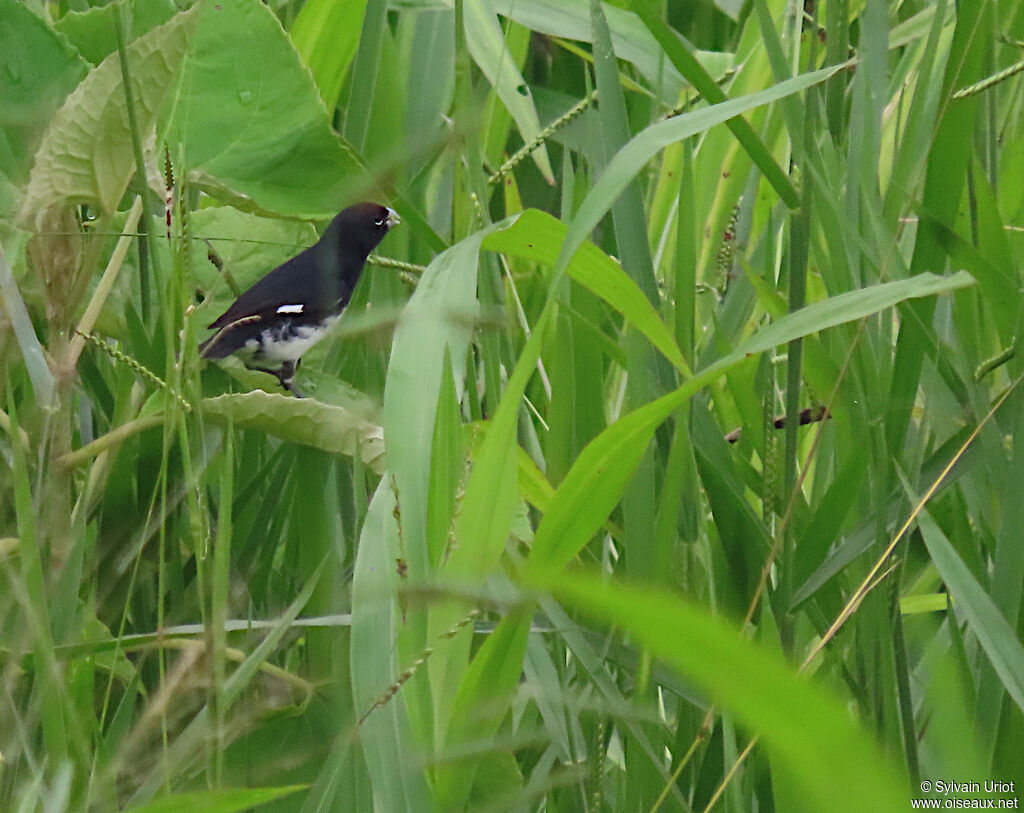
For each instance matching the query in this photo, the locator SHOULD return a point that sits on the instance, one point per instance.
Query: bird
(291, 308)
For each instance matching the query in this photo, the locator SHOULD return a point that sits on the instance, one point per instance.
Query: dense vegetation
(665, 459)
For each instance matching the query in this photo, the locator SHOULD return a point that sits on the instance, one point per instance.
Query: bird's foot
(286, 375)
(289, 385)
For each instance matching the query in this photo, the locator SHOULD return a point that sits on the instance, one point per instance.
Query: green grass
(538, 541)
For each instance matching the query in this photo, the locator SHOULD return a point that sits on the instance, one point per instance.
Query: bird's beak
(393, 218)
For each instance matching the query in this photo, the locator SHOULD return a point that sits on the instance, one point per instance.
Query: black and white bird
(290, 309)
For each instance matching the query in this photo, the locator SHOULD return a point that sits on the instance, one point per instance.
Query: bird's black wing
(305, 289)
(307, 280)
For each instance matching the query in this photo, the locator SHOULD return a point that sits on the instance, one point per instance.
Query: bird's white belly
(290, 342)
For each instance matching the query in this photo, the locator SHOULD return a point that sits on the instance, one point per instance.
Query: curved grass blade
(326, 35)
(488, 49)
(537, 236)
(632, 158)
(792, 716)
(385, 734)
(994, 633)
(696, 74)
(595, 482)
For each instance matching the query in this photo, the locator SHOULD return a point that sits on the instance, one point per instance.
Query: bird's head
(360, 228)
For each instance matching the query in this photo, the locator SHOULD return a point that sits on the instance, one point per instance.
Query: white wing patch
(289, 309)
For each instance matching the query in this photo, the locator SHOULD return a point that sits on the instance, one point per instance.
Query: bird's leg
(291, 384)
(286, 375)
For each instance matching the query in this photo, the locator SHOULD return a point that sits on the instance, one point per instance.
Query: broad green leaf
(487, 47)
(329, 427)
(86, 155)
(326, 34)
(596, 481)
(346, 424)
(249, 122)
(218, 800)
(39, 70)
(92, 31)
(791, 716)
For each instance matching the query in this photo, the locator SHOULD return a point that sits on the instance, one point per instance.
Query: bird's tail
(228, 339)
(208, 349)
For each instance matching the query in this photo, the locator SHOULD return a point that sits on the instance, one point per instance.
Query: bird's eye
(379, 223)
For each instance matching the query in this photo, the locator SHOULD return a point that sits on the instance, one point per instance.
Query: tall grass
(550, 533)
